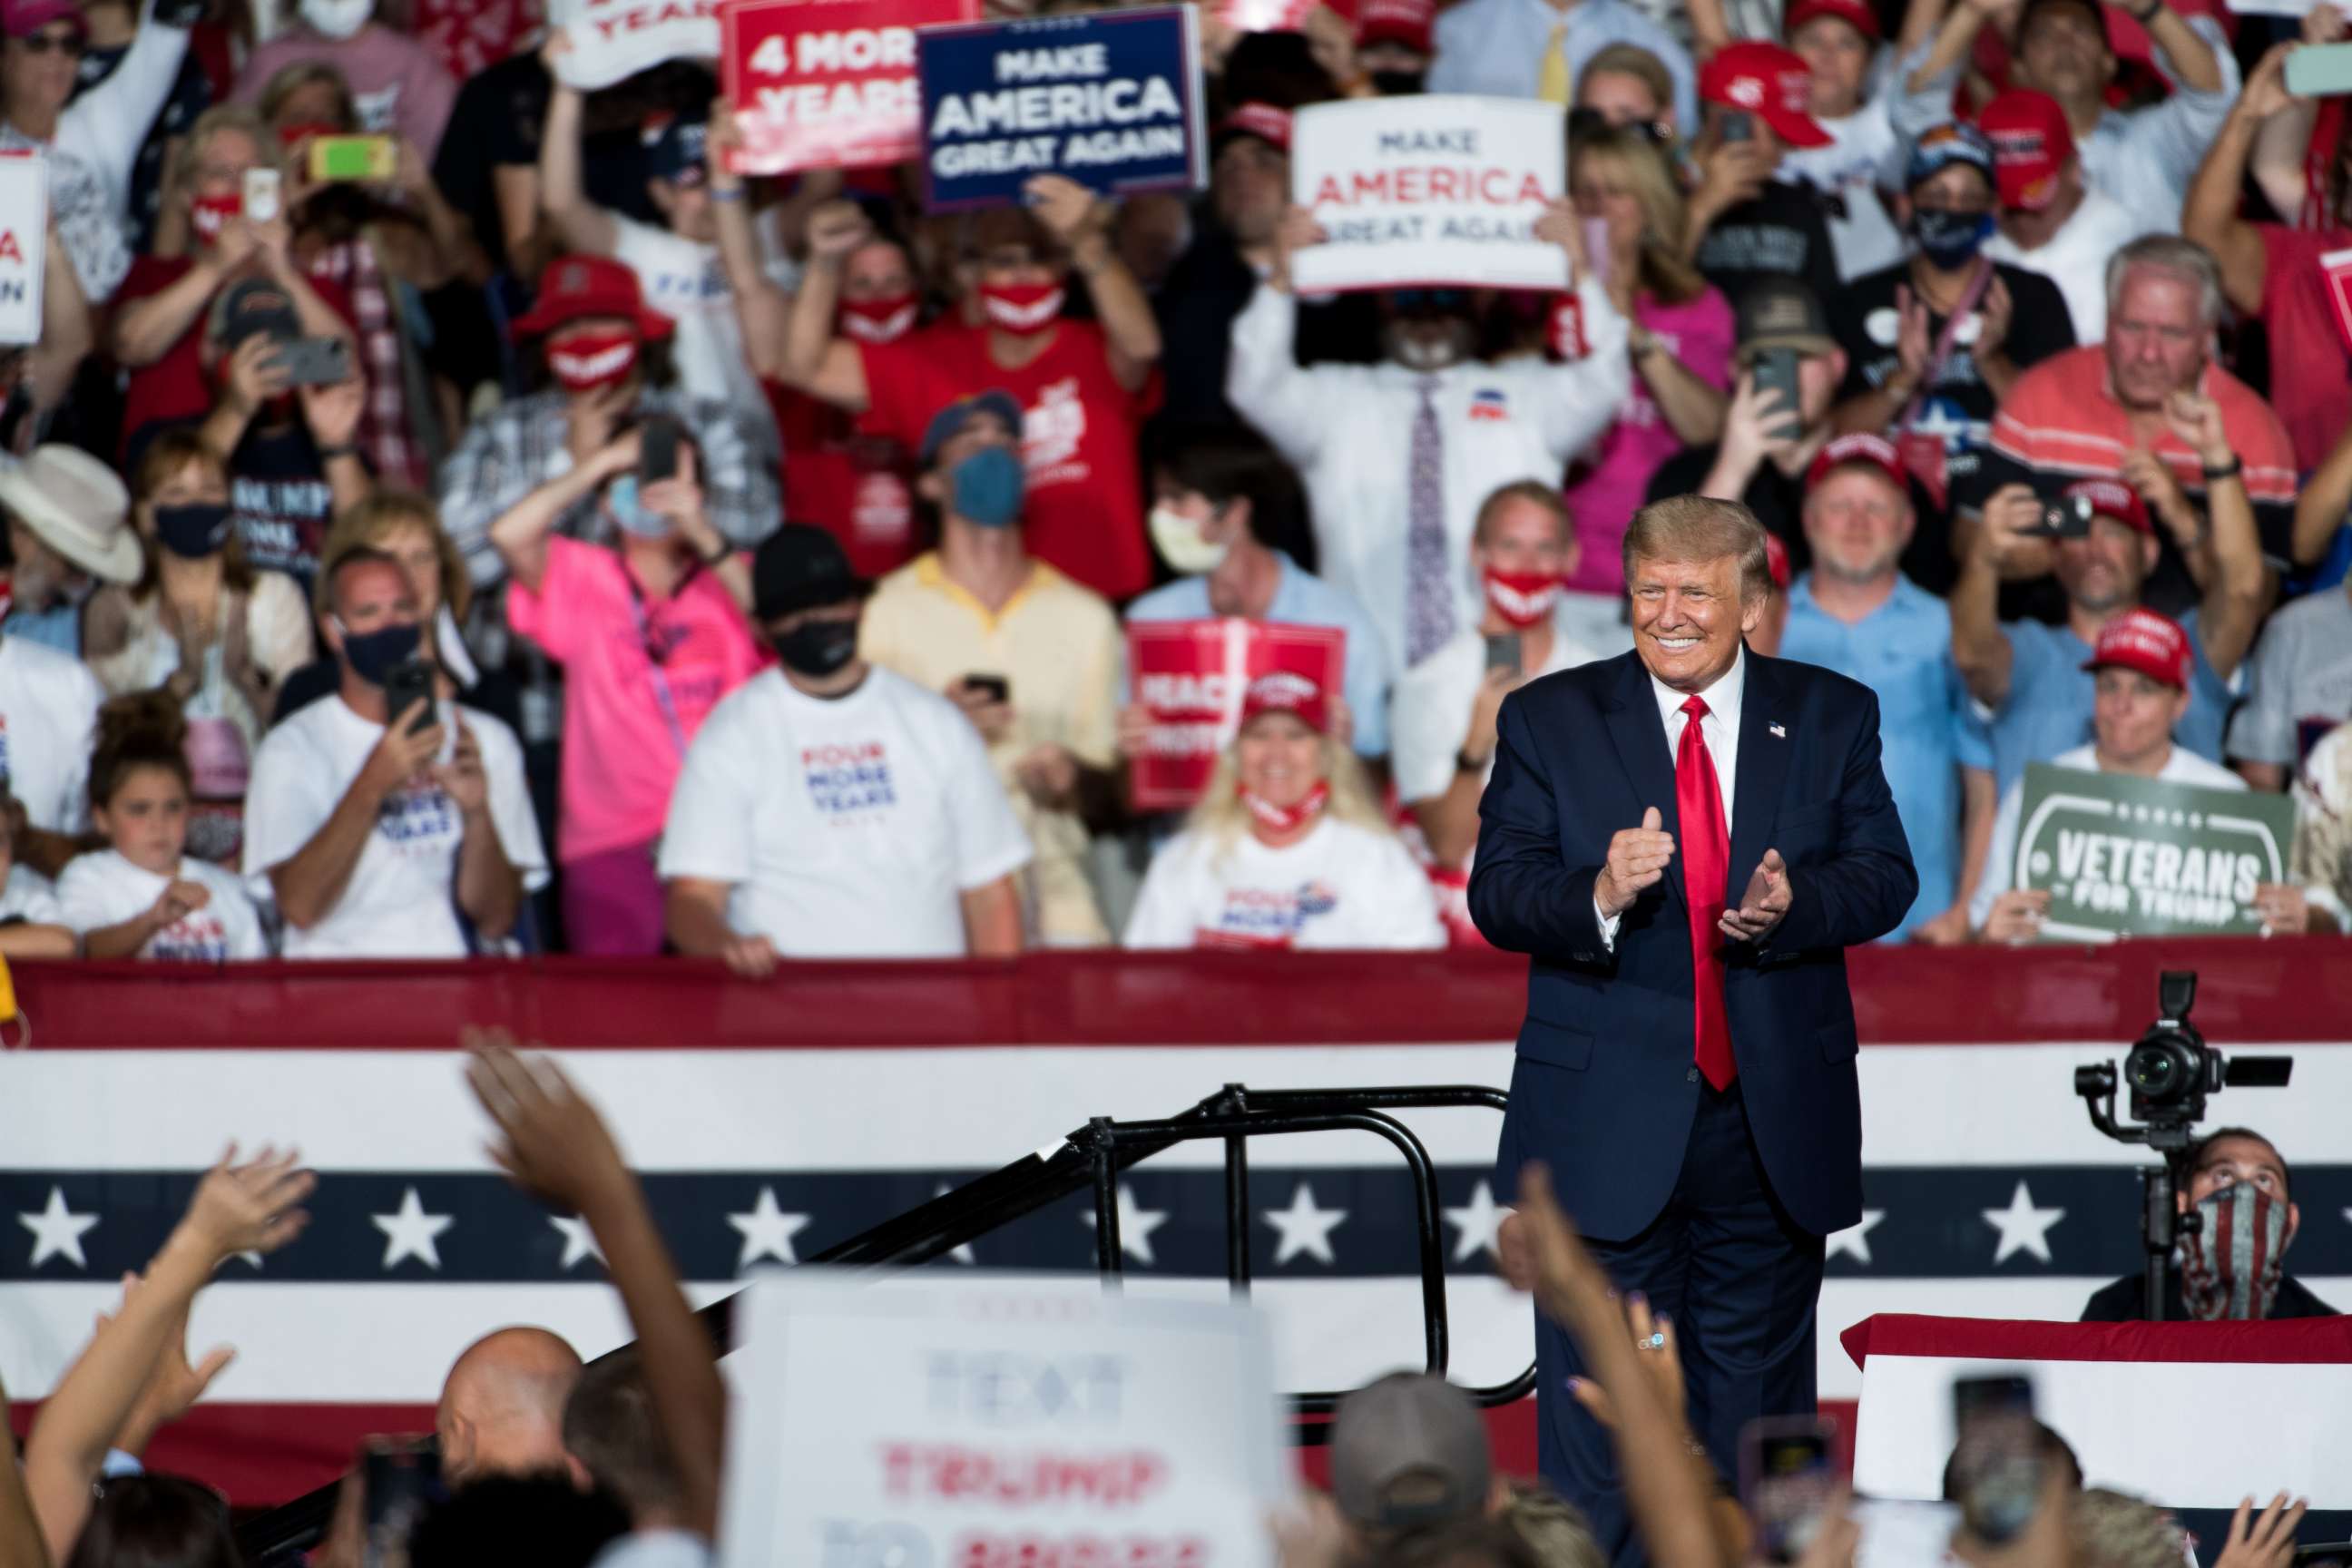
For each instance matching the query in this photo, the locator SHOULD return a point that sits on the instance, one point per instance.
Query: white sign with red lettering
(996, 1421)
(1428, 190)
(828, 84)
(24, 245)
(613, 41)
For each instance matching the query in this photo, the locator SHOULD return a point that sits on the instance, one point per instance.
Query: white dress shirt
(1720, 731)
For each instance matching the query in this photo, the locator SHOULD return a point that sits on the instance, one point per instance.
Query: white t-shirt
(1340, 886)
(1865, 156)
(401, 898)
(1430, 717)
(28, 896)
(2183, 766)
(104, 889)
(848, 827)
(2076, 256)
(48, 722)
(687, 283)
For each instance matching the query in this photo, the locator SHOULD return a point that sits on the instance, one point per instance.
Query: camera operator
(2230, 1266)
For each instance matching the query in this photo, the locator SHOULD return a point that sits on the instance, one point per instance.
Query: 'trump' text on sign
(1428, 190)
(2122, 856)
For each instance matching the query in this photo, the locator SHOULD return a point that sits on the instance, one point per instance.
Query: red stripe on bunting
(2321, 1341)
(2294, 989)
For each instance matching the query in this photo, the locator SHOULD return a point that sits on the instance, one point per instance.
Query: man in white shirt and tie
(1398, 457)
(1686, 839)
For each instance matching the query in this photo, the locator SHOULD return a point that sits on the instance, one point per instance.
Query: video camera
(2171, 1069)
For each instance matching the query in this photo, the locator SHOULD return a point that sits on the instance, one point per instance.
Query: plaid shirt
(519, 445)
(384, 434)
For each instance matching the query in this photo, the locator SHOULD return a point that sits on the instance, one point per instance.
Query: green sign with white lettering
(2122, 856)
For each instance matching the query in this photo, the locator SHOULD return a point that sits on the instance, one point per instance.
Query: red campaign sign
(1277, 16)
(2336, 266)
(1190, 676)
(826, 83)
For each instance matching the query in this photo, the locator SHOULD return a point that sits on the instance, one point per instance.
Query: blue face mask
(620, 500)
(373, 654)
(1949, 239)
(985, 488)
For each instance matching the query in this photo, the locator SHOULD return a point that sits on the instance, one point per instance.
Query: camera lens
(2155, 1069)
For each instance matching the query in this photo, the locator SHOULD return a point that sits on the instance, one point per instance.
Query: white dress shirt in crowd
(401, 898)
(1430, 720)
(846, 826)
(1720, 731)
(2182, 766)
(1496, 47)
(1347, 429)
(48, 722)
(2075, 258)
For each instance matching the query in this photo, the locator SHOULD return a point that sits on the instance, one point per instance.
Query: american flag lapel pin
(1779, 730)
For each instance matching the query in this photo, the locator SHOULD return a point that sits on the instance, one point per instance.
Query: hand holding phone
(1788, 1474)
(1504, 651)
(261, 197)
(369, 159)
(657, 452)
(405, 685)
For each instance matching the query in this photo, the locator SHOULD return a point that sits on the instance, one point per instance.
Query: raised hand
(2017, 915)
(2197, 420)
(1637, 861)
(2267, 1542)
(462, 777)
(250, 1207)
(401, 756)
(1070, 211)
(836, 229)
(552, 1142)
(1661, 1361)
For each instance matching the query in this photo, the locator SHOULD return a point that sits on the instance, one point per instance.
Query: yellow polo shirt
(1058, 647)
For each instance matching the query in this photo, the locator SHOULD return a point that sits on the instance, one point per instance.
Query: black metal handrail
(1091, 1158)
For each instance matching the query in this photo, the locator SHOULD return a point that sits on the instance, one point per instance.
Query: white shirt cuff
(1607, 925)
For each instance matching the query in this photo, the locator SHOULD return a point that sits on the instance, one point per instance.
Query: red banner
(826, 83)
(1190, 676)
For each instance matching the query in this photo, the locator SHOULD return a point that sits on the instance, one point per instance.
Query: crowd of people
(537, 1458)
(534, 535)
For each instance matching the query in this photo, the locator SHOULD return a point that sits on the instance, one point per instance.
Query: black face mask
(371, 655)
(191, 531)
(816, 648)
(1396, 84)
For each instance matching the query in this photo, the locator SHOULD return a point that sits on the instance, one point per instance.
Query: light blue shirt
(58, 627)
(1496, 47)
(1299, 599)
(1928, 729)
(2051, 698)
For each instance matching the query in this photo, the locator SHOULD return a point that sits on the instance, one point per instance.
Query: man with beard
(2033, 675)
(1397, 456)
(2236, 1171)
(1857, 613)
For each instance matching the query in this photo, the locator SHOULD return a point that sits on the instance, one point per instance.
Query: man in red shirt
(1085, 387)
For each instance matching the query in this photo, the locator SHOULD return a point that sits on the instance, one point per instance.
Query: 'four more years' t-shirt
(401, 900)
(1340, 886)
(846, 826)
(105, 889)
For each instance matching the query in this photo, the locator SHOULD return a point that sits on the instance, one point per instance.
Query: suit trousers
(1742, 1281)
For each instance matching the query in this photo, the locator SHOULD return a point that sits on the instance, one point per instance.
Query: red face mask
(884, 320)
(211, 214)
(7, 595)
(1286, 818)
(295, 135)
(1023, 310)
(1522, 598)
(591, 360)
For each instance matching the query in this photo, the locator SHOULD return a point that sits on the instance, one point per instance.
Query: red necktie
(1707, 871)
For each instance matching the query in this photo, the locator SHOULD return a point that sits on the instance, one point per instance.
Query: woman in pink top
(1680, 343)
(651, 631)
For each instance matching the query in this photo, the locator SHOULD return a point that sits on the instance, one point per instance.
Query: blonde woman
(1681, 341)
(1287, 848)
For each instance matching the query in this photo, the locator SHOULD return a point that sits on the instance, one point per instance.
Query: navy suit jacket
(1603, 1089)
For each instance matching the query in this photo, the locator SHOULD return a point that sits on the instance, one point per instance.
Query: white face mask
(1179, 542)
(337, 18)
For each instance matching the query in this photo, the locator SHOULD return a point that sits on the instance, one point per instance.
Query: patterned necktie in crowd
(1429, 583)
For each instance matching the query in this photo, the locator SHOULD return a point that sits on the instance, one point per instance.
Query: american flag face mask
(2230, 1266)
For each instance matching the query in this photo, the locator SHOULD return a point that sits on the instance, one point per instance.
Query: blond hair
(1222, 819)
(269, 153)
(1701, 528)
(1641, 170)
(1551, 1527)
(366, 524)
(1535, 492)
(288, 81)
(2111, 1529)
(1633, 60)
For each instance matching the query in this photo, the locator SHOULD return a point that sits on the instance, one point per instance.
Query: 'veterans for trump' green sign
(2122, 856)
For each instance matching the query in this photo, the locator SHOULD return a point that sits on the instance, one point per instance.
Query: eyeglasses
(70, 44)
(1590, 122)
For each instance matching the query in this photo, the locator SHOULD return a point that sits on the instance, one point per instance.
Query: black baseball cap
(253, 306)
(1782, 313)
(800, 567)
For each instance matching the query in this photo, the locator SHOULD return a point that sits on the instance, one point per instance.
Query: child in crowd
(144, 898)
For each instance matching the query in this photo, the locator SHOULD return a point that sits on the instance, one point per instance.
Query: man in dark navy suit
(1686, 838)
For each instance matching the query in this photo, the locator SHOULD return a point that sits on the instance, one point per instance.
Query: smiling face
(2063, 50)
(1280, 758)
(2103, 569)
(147, 820)
(1688, 618)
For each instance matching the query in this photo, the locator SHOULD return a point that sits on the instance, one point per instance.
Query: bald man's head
(502, 1406)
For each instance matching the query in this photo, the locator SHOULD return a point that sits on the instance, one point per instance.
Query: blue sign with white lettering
(1110, 100)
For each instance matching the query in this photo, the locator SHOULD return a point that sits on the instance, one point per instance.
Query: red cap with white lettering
(1772, 83)
(1406, 22)
(1287, 691)
(2113, 497)
(1263, 121)
(2143, 640)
